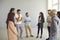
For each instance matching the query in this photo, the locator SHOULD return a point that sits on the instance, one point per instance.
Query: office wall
(33, 7)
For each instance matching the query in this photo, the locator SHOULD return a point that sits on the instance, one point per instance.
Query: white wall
(32, 6)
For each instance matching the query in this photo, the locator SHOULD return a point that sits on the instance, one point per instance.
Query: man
(27, 25)
(49, 23)
(18, 22)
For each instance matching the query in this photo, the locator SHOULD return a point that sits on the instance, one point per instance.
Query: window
(54, 4)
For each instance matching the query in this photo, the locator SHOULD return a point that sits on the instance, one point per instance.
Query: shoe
(26, 36)
(31, 35)
(36, 36)
(40, 36)
(47, 39)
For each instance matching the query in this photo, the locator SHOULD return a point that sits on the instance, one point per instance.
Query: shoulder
(56, 18)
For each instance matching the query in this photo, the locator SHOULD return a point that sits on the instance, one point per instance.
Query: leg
(38, 30)
(49, 30)
(26, 31)
(21, 31)
(41, 30)
(30, 31)
(17, 26)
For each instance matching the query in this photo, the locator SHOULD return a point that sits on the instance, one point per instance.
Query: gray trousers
(19, 30)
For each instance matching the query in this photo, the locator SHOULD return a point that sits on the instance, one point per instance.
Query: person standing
(18, 23)
(40, 24)
(27, 24)
(11, 29)
(49, 24)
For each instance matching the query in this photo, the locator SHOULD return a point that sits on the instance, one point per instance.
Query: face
(13, 11)
(18, 12)
(49, 12)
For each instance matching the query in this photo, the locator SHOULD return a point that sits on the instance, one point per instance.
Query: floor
(3, 34)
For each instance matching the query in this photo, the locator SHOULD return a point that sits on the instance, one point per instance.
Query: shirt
(39, 20)
(49, 21)
(15, 20)
(27, 20)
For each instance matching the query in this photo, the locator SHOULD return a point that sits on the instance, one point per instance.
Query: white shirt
(17, 22)
(27, 20)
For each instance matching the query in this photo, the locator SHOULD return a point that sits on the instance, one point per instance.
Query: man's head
(49, 11)
(27, 14)
(18, 11)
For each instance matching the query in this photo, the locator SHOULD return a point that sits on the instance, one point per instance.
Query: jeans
(19, 29)
(49, 30)
(40, 26)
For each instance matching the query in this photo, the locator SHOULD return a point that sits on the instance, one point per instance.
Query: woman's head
(12, 10)
(49, 11)
(58, 13)
(41, 14)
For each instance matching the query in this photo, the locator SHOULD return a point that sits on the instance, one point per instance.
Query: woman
(40, 24)
(11, 29)
(54, 25)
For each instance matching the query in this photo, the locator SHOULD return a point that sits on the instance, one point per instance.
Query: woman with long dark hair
(11, 29)
(40, 24)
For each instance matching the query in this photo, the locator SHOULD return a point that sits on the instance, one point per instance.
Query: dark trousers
(40, 26)
(49, 30)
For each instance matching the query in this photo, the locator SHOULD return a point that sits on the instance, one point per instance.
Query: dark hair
(26, 13)
(18, 10)
(42, 14)
(49, 10)
(58, 14)
(42, 17)
(12, 9)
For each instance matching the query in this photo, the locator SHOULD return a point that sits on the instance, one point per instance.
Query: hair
(18, 10)
(26, 13)
(42, 17)
(42, 14)
(58, 14)
(49, 10)
(12, 9)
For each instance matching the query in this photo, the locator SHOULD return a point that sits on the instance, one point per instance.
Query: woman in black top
(40, 24)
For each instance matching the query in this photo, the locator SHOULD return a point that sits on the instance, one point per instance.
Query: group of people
(53, 21)
(14, 24)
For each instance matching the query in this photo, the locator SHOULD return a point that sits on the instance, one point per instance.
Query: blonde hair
(53, 12)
